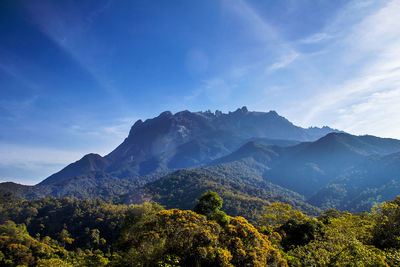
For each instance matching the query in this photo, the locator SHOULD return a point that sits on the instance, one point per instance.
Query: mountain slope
(182, 188)
(243, 155)
(87, 164)
(187, 139)
(375, 179)
(256, 151)
(339, 170)
(308, 167)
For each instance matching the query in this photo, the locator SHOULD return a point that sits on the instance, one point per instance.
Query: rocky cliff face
(187, 139)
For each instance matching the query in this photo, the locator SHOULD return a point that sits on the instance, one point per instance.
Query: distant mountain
(249, 158)
(337, 171)
(89, 163)
(253, 150)
(307, 167)
(373, 180)
(187, 139)
(240, 183)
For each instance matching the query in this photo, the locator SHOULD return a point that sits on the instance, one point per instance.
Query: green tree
(343, 243)
(52, 263)
(64, 237)
(298, 233)
(209, 205)
(185, 238)
(279, 213)
(95, 236)
(386, 233)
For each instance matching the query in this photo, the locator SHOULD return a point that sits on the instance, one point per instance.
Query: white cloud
(366, 99)
(316, 38)
(263, 31)
(29, 164)
(247, 69)
(31, 157)
(71, 32)
(284, 61)
(117, 130)
(215, 89)
(372, 118)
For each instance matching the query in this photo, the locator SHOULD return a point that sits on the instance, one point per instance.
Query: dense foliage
(72, 232)
(185, 238)
(244, 195)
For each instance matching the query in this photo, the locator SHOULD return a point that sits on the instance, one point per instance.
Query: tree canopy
(71, 232)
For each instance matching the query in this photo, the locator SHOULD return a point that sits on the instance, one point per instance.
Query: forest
(71, 232)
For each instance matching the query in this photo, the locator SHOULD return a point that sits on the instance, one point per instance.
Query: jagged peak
(165, 114)
(183, 113)
(217, 113)
(321, 128)
(242, 110)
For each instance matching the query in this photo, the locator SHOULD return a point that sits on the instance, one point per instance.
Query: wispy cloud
(17, 109)
(284, 62)
(365, 99)
(30, 165)
(71, 32)
(216, 90)
(251, 67)
(117, 129)
(34, 163)
(378, 114)
(31, 156)
(12, 65)
(316, 38)
(110, 135)
(263, 31)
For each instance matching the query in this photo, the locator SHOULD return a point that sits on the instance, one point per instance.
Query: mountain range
(250, 158)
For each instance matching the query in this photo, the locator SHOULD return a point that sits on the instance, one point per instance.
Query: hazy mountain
(258, 152)
(373, 180)
(339, 170)
(188, 139)
(307, 167)
(257, 156)
(87, 164)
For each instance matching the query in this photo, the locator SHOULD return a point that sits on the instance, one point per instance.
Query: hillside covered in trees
(72, 232)
(250, 158)
(156, 199)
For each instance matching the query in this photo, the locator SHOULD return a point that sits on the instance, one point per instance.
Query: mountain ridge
(243, 155)
(163, 142)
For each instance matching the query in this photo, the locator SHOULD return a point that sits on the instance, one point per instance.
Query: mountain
(373, 180)
(307, 167)
(254, 150)
(181, 189)
(337, 171)
(247, 157)
(187, 139)
(89, 163)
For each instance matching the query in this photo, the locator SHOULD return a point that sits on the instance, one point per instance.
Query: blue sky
(75, 75)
